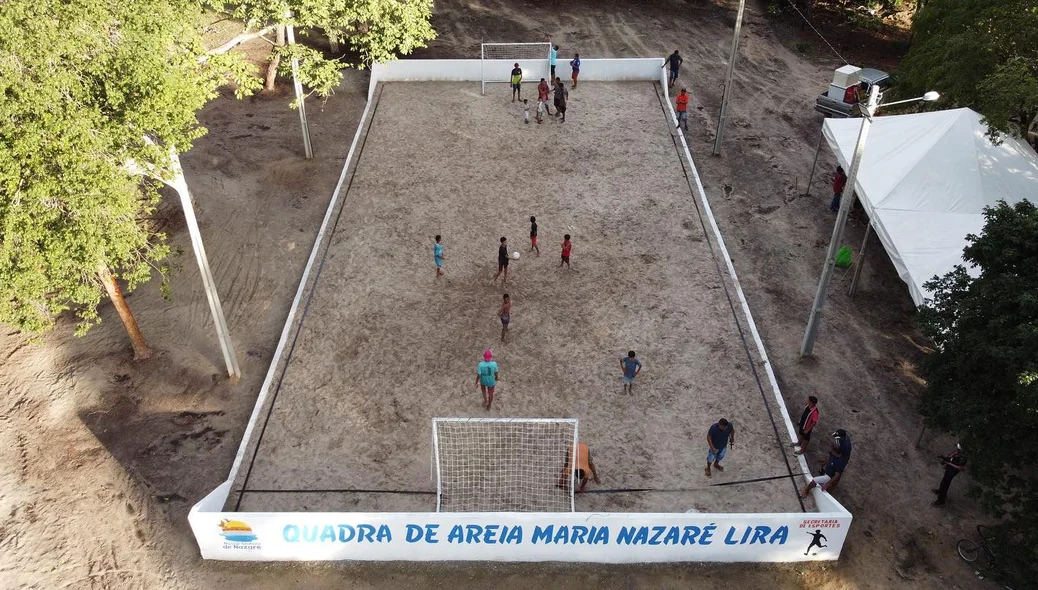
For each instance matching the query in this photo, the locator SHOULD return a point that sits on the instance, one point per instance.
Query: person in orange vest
(682, 104)
(584, 466)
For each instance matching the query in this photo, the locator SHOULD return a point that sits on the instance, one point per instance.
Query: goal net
(498, 59)
(504, 464)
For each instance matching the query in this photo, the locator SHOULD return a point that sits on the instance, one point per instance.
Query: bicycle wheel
(968, 550)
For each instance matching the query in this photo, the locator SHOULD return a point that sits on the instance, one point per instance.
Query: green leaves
(982, 381)
(81, 85)
(981, 54)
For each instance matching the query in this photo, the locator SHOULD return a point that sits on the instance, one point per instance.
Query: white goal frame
(512, 57)
(573, 447)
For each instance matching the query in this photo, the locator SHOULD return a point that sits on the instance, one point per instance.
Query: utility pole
(300, 99)
(728, 81)
(846, 202)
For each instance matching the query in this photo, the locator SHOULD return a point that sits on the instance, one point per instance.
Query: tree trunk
(272, 69)
(140, 348)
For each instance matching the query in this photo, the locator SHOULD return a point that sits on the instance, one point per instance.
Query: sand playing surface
(386, 346)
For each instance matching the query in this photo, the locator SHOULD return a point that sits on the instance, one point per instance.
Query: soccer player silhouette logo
(816, 538)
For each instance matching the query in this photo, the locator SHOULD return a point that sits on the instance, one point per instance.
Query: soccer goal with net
(504, 464)
(497, 60)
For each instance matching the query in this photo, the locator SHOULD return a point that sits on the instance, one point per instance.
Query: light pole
(846, 201)
(728, 80)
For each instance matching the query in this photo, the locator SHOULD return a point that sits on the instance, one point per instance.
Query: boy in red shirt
(567, 247)
(682, 104)
(839, 181)
(807, 423)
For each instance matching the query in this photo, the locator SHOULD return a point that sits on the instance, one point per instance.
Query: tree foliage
(376, 31)
(82, 85)
(981, 54)
(982, 380)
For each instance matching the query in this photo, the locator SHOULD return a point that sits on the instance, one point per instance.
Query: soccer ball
(515, 255)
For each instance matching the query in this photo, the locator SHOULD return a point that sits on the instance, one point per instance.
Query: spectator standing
(561, 98)
(839, 181)
(681, 102)
(517, 82)
(720, 436)
(674, 61)
(533, 235)
(953, 464)
(542, 97)
(505, 315)
(553, 56)
(808, 420)
(574, 65)
(567, 248)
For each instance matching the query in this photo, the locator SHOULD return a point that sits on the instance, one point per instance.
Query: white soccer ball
(515, 255)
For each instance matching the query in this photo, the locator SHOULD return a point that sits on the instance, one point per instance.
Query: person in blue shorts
(720, 436)
(516, 80)
(631, 367)
(486, 378)
(438, 256)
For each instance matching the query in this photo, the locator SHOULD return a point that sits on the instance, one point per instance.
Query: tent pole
(861, 259)
(821, 134)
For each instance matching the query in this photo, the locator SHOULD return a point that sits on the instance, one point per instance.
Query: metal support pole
(846, 201)
(815, 163)
(179, 183)
(861, 259)
(300, 99)
(728, 81)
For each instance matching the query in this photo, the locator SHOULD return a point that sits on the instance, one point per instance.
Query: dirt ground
(101, 457)
(386, 346)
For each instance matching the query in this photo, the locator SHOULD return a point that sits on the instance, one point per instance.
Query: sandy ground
(101, 457)
(386, 346)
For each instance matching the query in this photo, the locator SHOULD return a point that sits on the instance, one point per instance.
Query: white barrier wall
(498, 70)
(515, 536)
(572, 537)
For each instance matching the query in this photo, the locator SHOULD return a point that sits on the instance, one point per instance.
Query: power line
(820, 36)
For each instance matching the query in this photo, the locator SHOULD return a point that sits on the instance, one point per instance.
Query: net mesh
(516, 51)
(503, 465)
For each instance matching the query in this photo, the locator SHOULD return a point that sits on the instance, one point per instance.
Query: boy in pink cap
(486, 378)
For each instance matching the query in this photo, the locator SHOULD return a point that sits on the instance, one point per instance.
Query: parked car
(848, 107)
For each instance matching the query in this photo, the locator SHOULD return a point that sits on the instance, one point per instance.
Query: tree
(85, 88)
(982, 379)
(376, 30)
(981, 54)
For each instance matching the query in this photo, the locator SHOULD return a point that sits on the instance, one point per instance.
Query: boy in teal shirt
(486, 378)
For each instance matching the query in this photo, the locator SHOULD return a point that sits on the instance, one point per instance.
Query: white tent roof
(924, 181)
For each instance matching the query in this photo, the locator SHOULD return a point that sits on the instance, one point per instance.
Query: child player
(533, 233)
(567, 247)
(526, 111)
(438, 256)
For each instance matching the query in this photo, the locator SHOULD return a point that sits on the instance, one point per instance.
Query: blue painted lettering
(561, 535)
(760, 534)
(673, 534)
(309, 533)
(708, 532)
(626, 535)
(657, 532)
(430, 533)
(688, 537)
(579, 532)
(290, 533)
(413, 533)
(384, 534)
(601, 536)
(780, 536)
(472, 532)
(365, 532)
(515, 535)
(457, 534)
(543, 534)
(328, 533)
(346, 533)
(490, 533)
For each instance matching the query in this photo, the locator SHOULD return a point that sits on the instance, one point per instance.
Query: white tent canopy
(924, 181)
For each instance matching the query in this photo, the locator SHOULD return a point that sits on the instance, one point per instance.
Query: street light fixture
(869, 110)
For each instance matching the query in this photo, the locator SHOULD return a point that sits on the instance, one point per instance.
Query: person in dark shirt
(533, 236)
(719, 437)
(839, 181)
(831, 472)
(674, 61)
(807, 423)
(953, 464)
(502, 261)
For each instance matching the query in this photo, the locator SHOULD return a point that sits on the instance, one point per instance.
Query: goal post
(504, 464)
(496, 61)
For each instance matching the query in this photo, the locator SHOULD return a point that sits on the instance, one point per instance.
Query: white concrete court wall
(649, 69)
(576, 537)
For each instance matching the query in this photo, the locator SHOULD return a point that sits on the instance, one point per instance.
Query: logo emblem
(237, 531)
